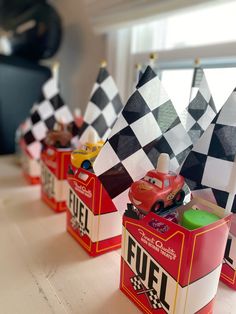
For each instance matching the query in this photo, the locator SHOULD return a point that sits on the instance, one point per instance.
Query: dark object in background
(20, 86)
(33, 28)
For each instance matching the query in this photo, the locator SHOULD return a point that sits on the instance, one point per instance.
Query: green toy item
(196, 218)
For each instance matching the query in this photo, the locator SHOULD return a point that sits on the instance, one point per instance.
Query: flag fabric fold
(147, 126)
(43, 116)
(103, 108)
(201, 109)
(210, 167)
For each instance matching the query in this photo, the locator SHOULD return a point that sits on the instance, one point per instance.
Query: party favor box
(228, 273)
(30, 166)
(166, 268)
(92, 218)
(54, 167)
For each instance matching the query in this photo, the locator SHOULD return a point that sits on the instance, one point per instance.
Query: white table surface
(43, 270)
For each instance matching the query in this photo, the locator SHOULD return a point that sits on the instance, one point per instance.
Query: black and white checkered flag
(43, 117)
(210, 167)
(147, 126)
(151, 294)
(201, 109)
(103, 108)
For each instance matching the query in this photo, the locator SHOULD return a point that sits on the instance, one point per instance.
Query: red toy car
(157, 190)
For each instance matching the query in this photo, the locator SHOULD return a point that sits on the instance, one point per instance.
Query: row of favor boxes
(176, 271)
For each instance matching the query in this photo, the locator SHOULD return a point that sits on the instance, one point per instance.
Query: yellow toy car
(85, 156)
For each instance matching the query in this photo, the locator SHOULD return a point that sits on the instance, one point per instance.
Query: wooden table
(43, 270)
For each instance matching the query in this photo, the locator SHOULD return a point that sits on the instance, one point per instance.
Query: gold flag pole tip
(197, 61)
(103, 64)
(153, 56)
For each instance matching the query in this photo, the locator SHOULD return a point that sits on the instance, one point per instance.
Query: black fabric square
(222, 144)
(100, 98)
(74, 129)
(181, 156)
(83, 128)
(193, 185)
(156, 147)
(124, 143)
(50, 122)
(117, 104)
(135, 108)
(165, 115)
(100, 125)
(102, 75)
(116, 180)
(221, 197)
(29, 137)
(197, 106)
(35, 117)
(147, 76)
(193, 167)
(56, 102)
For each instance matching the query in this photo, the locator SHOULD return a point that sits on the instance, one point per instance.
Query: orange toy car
(157, 190)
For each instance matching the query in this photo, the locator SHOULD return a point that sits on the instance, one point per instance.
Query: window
(187, 29)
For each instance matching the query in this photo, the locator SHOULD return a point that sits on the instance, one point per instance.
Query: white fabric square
(39, 131)
(178, 139)
(137, 165)
(204, 89)
(35, 149)
(63, 114)
(45, 109)
(194, 91)
(50, 88)
(153, 93)
(106, 134)
(109, 114)
(187, 120)
(95, 87)
(223, 169)
(228, 112)
(85, 136)
(120, 124)
(27, 125)
(146, 129)
(91, 113)
(206, 194)
(34, 108)
(109, 87)
(207, 117)
(121, 201)
(174, 164)
(203, 144)
(103, 162)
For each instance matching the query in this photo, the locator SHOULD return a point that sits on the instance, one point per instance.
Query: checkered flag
(151, 294)
(210, 168)
(201, 109)
(103, 108)
(147, 126)
(154, 299)
(136, 283)
(77, 226)
(43, 117)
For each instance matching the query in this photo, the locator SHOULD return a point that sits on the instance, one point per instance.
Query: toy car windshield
(155, 181)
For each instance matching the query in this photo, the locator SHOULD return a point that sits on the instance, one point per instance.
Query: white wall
(80, 53)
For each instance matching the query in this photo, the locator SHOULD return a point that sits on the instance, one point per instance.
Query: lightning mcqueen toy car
(157, 191)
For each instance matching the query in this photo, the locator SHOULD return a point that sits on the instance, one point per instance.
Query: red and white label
(162, 289)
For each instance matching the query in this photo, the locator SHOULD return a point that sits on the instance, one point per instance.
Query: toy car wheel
(86, 164)
(179, 197)
(157, 207)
